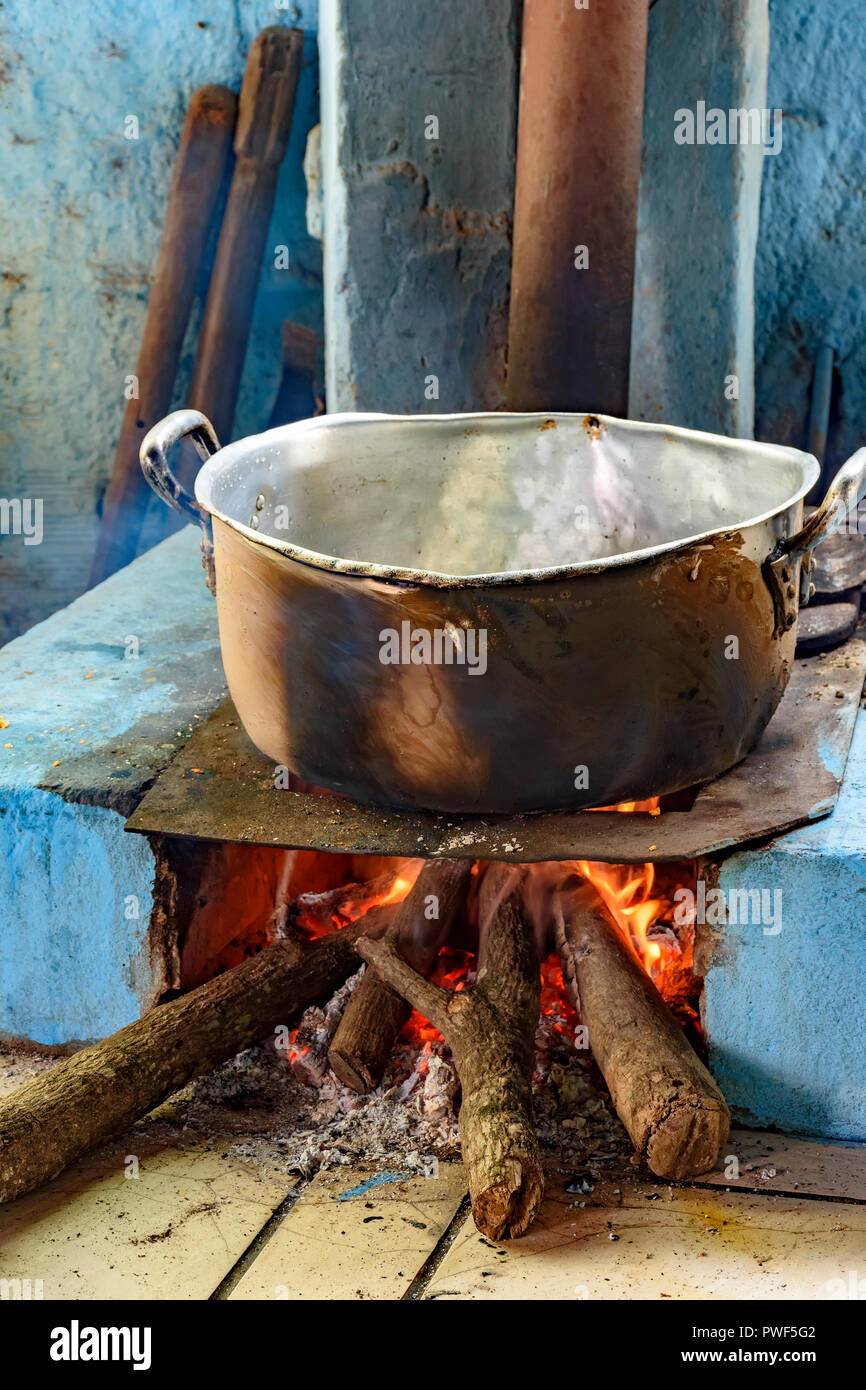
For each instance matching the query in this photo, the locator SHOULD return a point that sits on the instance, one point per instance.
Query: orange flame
(317, 916)
(395, 894)
(627, 892)
(450, 972)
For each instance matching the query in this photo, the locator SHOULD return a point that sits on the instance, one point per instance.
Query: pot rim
(368, 569)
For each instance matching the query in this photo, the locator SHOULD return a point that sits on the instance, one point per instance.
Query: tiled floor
(197, 1222)
(153, 1223)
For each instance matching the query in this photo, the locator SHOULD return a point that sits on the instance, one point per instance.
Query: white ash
(410, 1120)
(407, 1121)
(574, 1116)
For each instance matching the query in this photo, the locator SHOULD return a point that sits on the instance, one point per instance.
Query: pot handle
(153, 456)
(847, 489)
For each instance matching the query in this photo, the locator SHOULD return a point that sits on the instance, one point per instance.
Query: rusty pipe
(575, 216)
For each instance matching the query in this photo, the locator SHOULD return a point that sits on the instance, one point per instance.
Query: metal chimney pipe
(575, 218)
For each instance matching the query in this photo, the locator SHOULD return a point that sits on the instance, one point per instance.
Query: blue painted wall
(810, 280)
(90, 717)
(83, 215)
(783, 1011)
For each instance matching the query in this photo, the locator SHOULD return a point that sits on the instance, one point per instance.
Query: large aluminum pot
(493, 612)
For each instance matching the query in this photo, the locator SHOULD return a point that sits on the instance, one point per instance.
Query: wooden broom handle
(267, 102)
(202, 158)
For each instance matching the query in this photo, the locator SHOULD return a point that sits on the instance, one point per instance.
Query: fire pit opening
(491, 1001)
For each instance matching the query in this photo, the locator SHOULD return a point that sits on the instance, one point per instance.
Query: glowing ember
(452, 971)
(555, 1003)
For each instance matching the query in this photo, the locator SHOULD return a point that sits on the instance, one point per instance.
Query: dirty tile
(352, 1236)
(19, 1064)
(668, 1242)
(786, 1163)
(172, 1232)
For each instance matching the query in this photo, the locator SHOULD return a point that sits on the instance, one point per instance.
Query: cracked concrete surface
(417, 214)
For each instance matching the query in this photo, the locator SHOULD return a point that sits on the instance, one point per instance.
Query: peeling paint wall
(417, 216)
(74, 966)
(692, 353)
(83, 216)
(811, 267)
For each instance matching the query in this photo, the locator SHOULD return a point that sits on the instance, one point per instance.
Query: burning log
(342, 904)
(375, 1014)
(98, 1092)
(490, 1029)
(674, 1112)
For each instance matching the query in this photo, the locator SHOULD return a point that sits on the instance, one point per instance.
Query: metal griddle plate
(793, 776)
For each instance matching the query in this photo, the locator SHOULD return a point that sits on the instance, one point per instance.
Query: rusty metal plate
(221, 788)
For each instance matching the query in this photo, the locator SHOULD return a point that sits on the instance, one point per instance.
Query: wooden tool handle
(202, 157)
(267, 102)
(268, 95)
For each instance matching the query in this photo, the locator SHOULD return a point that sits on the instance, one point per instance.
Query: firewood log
(490, 1029)
(674, 1112)
(98, 1092)
(375, 1014)
(323, 910)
